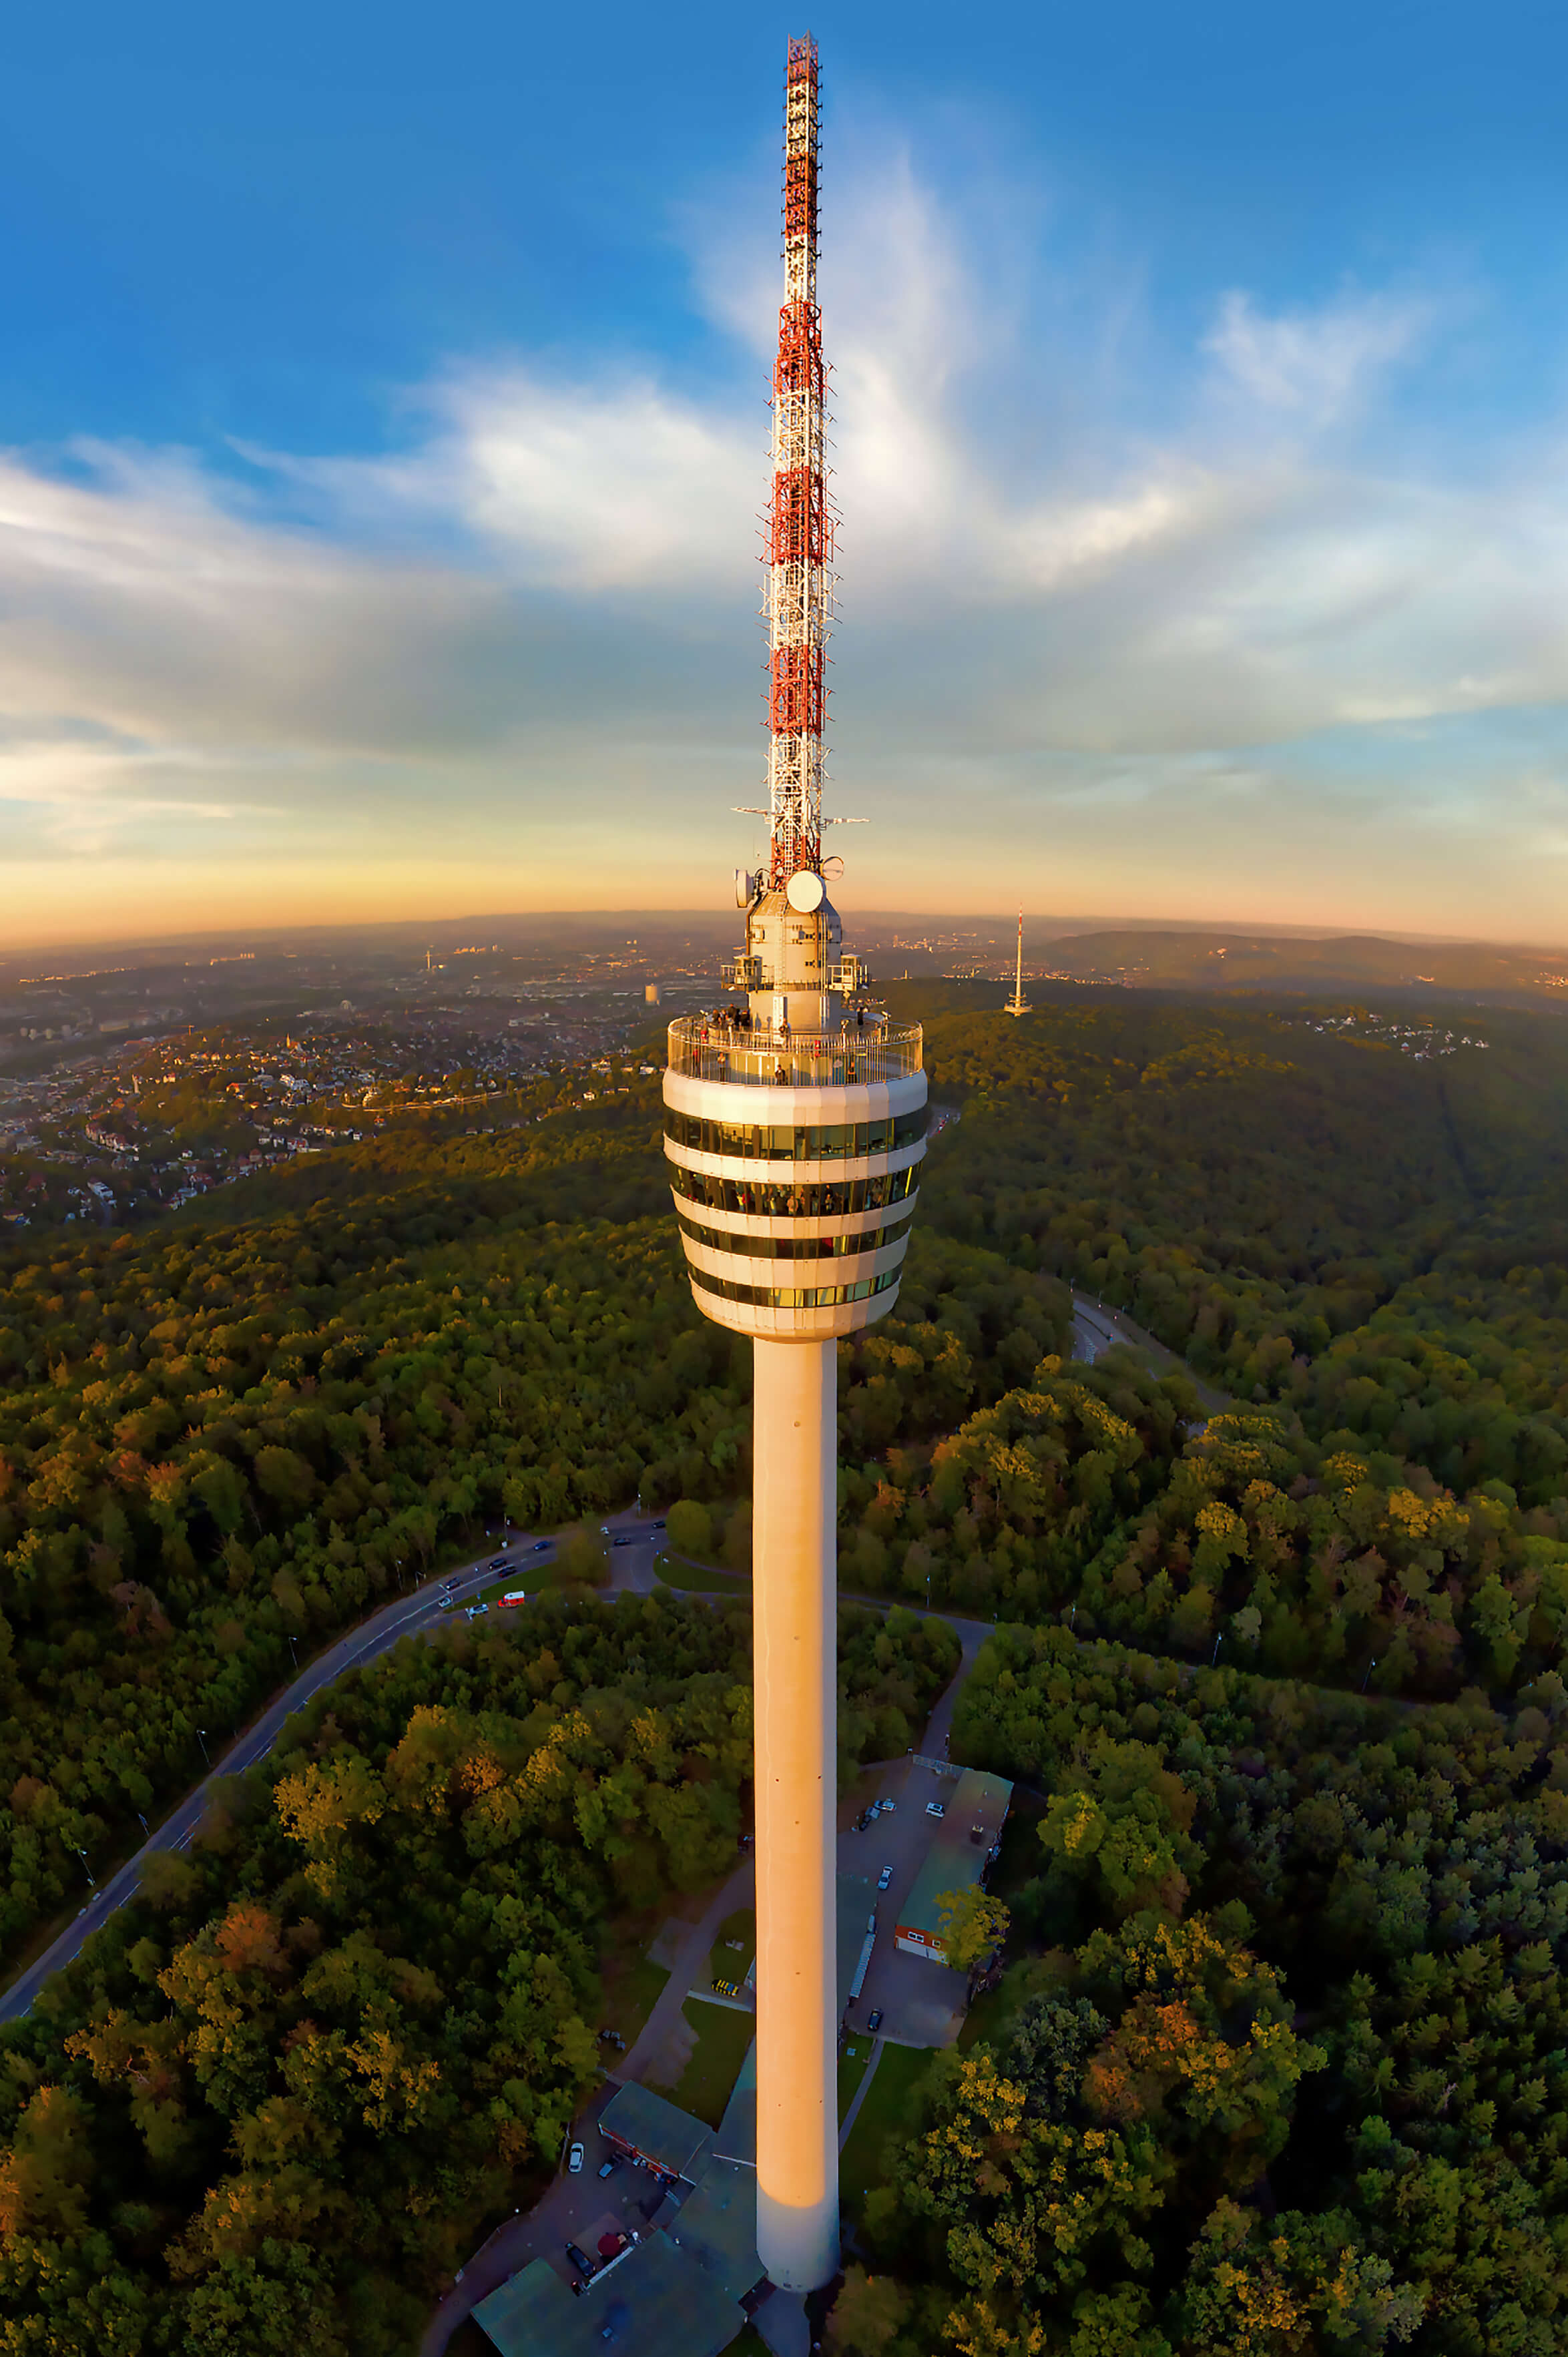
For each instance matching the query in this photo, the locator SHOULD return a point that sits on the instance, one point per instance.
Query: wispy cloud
(547, 588)
(1314, 365)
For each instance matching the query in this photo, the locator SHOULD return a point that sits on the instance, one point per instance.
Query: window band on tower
(817, 1247)
(809, 1297)
(772, 1200)
(791, 1142)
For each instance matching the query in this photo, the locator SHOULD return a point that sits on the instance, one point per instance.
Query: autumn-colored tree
(972, 1925)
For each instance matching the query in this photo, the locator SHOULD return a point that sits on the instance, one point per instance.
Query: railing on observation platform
(707, 1049)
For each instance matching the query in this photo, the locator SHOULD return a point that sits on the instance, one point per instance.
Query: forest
(1278, 2061)
(220, 1443)
(278, 2097)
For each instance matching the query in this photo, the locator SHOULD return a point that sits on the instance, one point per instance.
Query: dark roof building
(643, 2126)
(658, 2302)
(717, 2226)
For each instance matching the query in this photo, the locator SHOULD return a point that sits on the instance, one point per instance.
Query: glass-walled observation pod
(745, 1055)
(794, 1165)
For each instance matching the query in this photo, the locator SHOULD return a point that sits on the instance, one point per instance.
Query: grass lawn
(534, 1577)
(853, 2063)
(750, 2344)
(700, 1579)
(884, 2111)
(708, 2080)
(632, 1989)
(727, 1964)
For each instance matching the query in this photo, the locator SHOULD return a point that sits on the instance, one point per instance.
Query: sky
(383, 430)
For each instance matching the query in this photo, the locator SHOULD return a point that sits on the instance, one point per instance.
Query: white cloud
(1314, 364)
(551, 587)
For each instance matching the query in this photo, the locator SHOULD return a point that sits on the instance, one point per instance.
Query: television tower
(794, 1124)
(1018, 1004)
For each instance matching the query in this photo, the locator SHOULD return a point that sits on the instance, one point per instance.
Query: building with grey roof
(962, 1847)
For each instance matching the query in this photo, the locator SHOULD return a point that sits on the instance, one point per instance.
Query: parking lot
(921, 2004)
(581, 2209)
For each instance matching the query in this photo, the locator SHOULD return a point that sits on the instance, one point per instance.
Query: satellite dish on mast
(805, 891)
(833, 868)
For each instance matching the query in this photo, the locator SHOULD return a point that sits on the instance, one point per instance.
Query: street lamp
(1371, 1666)
(201, 1738)
(91, 1876)
(1217, 1643)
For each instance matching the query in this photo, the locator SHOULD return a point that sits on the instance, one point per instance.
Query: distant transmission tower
(1018, 1004)
(795, 1124)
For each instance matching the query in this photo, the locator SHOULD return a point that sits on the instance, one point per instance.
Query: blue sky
(383, 427)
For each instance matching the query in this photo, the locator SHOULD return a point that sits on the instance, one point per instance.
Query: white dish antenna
(805, 891)
(745, 887)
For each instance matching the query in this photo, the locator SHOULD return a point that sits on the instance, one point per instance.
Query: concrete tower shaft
(794, 1128)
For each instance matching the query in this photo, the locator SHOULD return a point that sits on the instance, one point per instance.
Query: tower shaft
(796, 1685)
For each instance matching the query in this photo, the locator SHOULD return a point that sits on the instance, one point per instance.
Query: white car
(885, 1878)
(888, 1807)
(575, 2160)
(935, 1809)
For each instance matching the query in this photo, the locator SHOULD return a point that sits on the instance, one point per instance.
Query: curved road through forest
(407, 1616)
(631, 1570)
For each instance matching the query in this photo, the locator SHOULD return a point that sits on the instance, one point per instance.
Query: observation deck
(704, 1047)
(794, 1166)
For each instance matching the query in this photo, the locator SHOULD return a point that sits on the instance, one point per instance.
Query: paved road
(1095, 1328)
(413, 1615)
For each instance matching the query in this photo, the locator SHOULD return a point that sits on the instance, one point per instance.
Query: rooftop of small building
(717, 2226)
(656, 2303)
(659, 2130)
(976, 1810)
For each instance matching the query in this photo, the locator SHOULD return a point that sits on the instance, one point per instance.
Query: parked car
(586, 2267)
(608, 2168)
(935, 1809)
(475, 1612)
(889, 1806)
(885, 1878)
(445, 1603)
(575, 2161)
(874, 2019)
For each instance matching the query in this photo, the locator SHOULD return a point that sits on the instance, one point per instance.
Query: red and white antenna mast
(800, 551)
